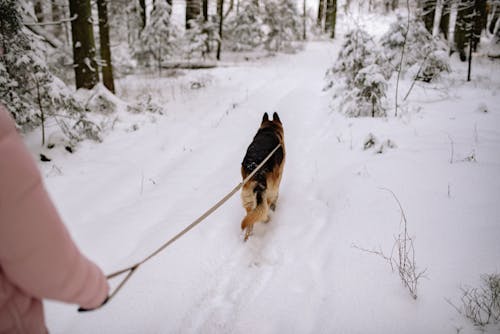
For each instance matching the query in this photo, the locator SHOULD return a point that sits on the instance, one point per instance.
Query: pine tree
(423, 50)
(244, 30)
(359, 76)
(28, 89)
(283, 22)
(158, 38)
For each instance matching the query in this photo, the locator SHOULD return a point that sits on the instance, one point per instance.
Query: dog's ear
(276, 118)
(265, 118)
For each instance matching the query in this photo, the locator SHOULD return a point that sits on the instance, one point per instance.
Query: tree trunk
(444, 24)
(428, 12)
(39, 11)
(480, 19)
(463, 27)
(205, 10)
(220, 11)
(142, 4)
(495, 11)
(321, 13)
(304, 37)
(86, 72)
(394, 4)
(333, 18)
(328, 16)
(107, 68)
(192, 11)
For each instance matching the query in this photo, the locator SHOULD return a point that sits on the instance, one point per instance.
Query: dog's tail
(259, 213)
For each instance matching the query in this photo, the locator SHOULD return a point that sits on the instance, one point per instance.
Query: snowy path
(299, 273)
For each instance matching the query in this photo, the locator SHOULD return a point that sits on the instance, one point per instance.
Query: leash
(132, 269)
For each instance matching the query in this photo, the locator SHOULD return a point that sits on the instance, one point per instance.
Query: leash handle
(131, 270)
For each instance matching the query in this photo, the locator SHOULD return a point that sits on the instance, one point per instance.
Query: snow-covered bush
(200, 37)
(421, 49)
(28, 89)
(368, 93)
(283, 25)
(243, 31)
(359, 77)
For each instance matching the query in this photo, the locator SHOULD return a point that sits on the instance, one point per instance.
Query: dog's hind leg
(259, 214)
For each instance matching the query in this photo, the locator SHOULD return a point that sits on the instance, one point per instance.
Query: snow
(123, 198)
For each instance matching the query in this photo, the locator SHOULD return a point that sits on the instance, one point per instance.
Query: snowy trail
(125, 197)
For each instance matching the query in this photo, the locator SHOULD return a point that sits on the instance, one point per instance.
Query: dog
(261, 192)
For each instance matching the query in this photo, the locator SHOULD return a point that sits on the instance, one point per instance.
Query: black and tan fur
(261, 192)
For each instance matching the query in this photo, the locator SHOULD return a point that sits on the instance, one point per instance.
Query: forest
(138, 114)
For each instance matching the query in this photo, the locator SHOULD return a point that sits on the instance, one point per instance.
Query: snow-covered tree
(27, 88)
(359, 76)
(244, 30)
(158, 39)
(84, 50)
(421, 50)
(199, 37)
(282, 21)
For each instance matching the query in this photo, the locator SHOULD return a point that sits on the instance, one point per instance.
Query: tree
(28, 89)
(205, 10)
(107, 68)
(359, 76)
(86, 73)
(328, 16)
(142, 12)
(220, 13)
(428, 10)
(333, 18)
(38, 7)
(282, 20)
(471, 20)
(192, 11)
(157, 40)
(444, 23)
(244, 31)
(321, 13)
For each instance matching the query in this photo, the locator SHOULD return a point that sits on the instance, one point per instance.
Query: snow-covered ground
(301, 273)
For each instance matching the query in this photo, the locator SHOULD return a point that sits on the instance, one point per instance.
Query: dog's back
(261, 192)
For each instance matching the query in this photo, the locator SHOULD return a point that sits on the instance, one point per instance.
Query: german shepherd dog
(260, 193)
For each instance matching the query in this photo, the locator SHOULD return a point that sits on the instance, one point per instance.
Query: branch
(51, 22)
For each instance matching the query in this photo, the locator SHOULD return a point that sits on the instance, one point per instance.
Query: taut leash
(131, 269)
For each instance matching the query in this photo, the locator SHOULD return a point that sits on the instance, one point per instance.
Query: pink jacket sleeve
(36, 251)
